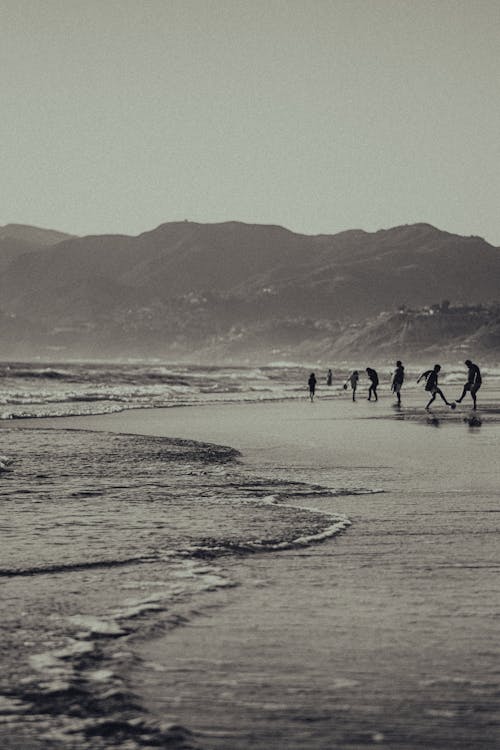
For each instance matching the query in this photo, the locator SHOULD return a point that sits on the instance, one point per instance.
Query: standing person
(398, 380)
(312, 386)
(431, 385)
(473, 383)
(329, 377)
(372, 390)
(353, 380)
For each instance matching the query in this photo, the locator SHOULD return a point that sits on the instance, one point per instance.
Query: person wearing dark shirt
(397, 380)
(329, 377)
(473, 383)
(353, 380)
(312, 385)
(373, 376)
(431, 385)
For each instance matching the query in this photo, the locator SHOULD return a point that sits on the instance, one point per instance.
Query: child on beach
(431, 385)
(353, 380)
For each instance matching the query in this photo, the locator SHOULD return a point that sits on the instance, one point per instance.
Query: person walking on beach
(373, 376)
(398, 380)
(312, 386)
(353, 380)
(431, 385)
(329, 377)
(473, 383)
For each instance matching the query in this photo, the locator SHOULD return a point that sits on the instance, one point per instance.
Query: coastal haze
(248, 293)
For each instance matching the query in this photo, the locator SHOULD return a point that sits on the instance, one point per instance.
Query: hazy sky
(319, 115)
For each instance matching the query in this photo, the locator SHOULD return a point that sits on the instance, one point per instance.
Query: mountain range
(246, 292)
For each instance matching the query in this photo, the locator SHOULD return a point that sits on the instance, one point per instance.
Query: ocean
(72, 389)
(200, 557)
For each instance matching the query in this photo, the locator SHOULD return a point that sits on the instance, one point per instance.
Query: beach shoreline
(364, 635)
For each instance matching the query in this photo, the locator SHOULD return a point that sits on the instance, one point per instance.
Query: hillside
(18, 239)
(233, 290)
(36, 236)
(449, 331)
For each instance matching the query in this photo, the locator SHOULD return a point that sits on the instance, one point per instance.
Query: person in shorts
(473, 383)
(431, 385)
(353, 381)
(372, 390)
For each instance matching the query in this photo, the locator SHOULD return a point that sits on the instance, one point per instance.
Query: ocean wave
(282, 490)
(45, 373)
(332, 526)
(253, 546)
(94, 409)
(73, 567)
(105, 404)
(149, 386)
(127, 527)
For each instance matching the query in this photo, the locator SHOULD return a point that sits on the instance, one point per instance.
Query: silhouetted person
(312, 385)
(431, 385)
(353, 380)
(372, 390)
(398, 380)
(329, 377)
(473, 383)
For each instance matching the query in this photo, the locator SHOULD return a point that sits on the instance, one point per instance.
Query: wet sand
(387, 635)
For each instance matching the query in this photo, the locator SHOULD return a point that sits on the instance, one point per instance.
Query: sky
(317, 115)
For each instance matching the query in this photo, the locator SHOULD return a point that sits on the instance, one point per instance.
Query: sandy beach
(385, 634)
(250, 375)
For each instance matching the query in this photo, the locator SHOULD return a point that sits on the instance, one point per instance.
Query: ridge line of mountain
(234, 289)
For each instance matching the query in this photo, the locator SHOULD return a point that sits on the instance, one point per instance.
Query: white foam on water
(269, 500)
(99, 675)
(440, 713)
(11, 706)
(47, 662)
(85, 389)
(75, 648)
(96, 626)
(58, 664)
(304, 541)
(136, 610)
(256, 545)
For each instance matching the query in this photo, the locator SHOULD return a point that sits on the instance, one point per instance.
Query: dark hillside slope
(356, 272)
(18, 239)
(184, 283)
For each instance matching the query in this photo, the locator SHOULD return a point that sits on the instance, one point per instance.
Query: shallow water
(73, 389)
(107, 536)
(387, 633)
(81, 388)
